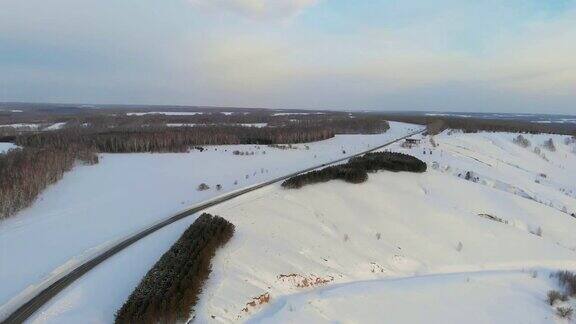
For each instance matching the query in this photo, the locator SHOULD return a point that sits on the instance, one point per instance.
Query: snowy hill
(471, 240)
(482, 244)
(94, 206)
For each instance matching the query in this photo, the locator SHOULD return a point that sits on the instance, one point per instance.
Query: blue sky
(484, 55)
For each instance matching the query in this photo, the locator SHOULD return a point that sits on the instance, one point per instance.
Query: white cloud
(258, 9)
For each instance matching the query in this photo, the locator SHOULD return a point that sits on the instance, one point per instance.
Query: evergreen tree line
(357, 168)
(24, 173)
(170, 290)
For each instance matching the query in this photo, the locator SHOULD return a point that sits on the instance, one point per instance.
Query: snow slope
(400, 225)
(55, 126)
(93, 206)
(401, 247)
(502, 297)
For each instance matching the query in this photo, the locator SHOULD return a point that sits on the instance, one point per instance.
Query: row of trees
(129, 139)
(357, 168)
(347, 125)
(169, 291)
(24, 173)
(174, 139)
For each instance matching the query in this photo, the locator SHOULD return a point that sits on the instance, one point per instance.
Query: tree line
(170, 290)
(356, 169)
(24, 173)
(173, 139)
(348, 125)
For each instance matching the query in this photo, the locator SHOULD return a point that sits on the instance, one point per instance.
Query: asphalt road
(42, 297)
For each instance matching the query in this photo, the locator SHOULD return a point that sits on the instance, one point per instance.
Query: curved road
(29, 307)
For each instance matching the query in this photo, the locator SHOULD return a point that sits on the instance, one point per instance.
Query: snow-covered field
(22, 126)
(95, 205)
(477, 297)
(436, 247)
(54, 126)
(44, 127)
(168, 113)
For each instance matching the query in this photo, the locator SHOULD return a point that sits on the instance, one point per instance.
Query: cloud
(258, 9)
(447, 54)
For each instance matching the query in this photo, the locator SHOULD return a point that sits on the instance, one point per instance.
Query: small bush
(567, 281)
(565, 312)
(459, 247)
(570, 140)
(554, 296)
(202, 187)
(521, 141)
(549, 145)
(537, 231)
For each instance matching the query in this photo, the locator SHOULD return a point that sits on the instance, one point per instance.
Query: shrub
(24, 173)
(459, 247)
(554, 296)
(521, 141)
(565, 312)
(537, 231)
(567, 281)
(549, 145)
(202, 187)
(170, 289)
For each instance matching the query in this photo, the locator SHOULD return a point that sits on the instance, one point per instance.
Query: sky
(444, 55)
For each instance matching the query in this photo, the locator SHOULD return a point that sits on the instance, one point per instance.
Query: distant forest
(170, 290)
(44, 156)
